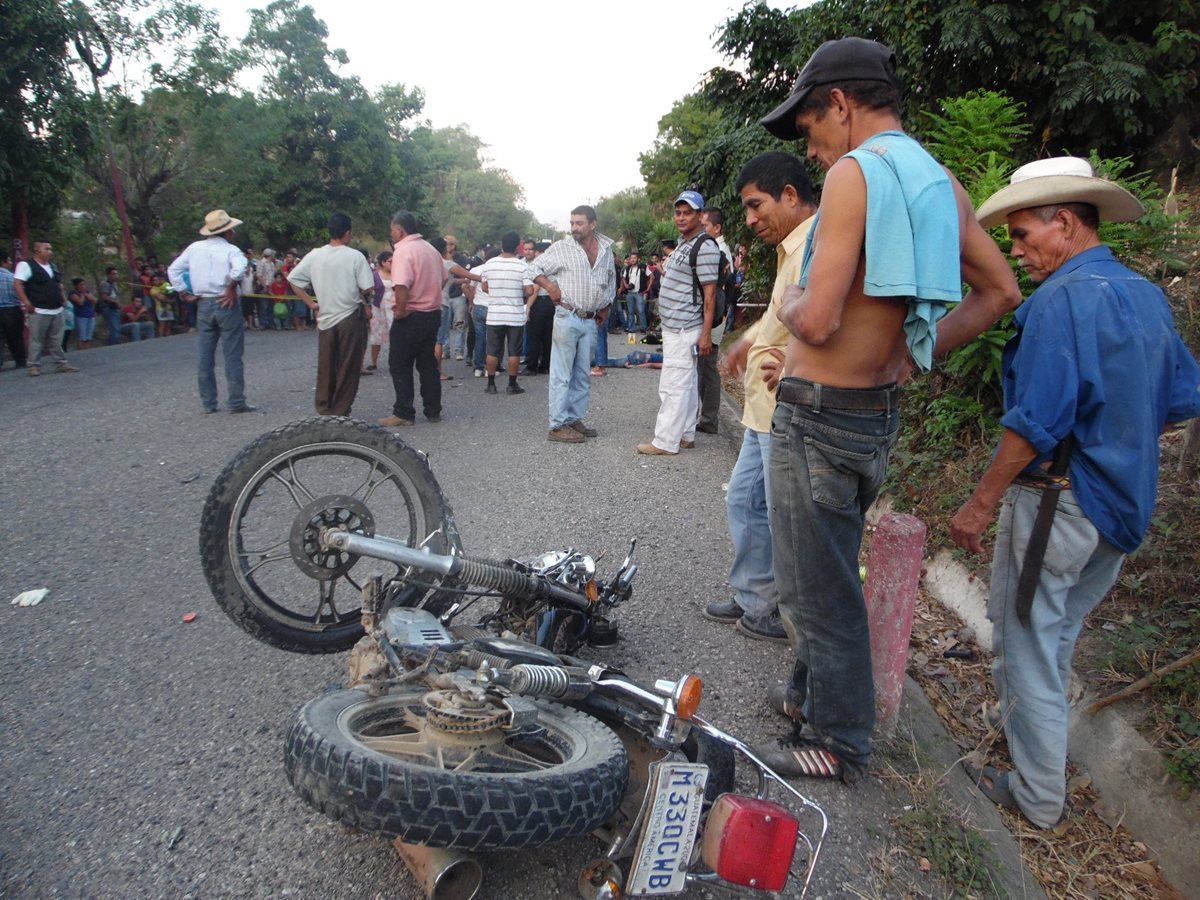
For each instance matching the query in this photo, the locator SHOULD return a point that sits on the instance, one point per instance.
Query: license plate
(665, 847)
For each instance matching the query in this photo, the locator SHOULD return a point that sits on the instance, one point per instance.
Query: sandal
(992, 783)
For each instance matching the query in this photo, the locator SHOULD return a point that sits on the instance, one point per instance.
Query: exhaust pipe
(442, 874)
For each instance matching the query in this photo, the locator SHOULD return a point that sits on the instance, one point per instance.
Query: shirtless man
(875, 280)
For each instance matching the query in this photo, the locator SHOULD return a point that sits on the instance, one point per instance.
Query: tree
(682, 132)
(627, 217)
(43, 115)
(326, 139)
(1115, 76)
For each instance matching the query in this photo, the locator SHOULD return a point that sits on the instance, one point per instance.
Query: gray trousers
(1032, 665)
(45, 338)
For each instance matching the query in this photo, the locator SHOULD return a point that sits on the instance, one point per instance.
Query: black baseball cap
(848, 59)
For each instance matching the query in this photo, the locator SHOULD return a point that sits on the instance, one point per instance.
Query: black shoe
(802, 754)
(767, 628)
(209, 410)
(490, 389)
(529, 371)
(782, 699)
(706, 428)
(515, 389)
(245, 407)
(724, 611)
(434, 418)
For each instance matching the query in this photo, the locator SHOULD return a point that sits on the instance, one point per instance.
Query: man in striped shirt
(580, 277)
(506, 281)
(687, 321)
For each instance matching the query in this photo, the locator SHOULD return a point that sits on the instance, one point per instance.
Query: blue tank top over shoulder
(912, 239)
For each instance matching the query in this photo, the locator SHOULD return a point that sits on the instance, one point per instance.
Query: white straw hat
(1061, 179)
(218, 221)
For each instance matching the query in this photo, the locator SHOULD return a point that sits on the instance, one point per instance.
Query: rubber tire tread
(218, 511)
(370, 791)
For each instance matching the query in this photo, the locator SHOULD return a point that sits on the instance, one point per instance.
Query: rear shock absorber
(553, 682)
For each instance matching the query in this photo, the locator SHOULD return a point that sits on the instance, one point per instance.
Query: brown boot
(566, 434)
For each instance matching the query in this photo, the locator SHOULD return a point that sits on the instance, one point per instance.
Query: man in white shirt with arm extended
(213, 268)
(340, 277)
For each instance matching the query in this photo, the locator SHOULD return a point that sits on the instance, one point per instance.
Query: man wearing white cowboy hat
(1093, 374)
(212, 269)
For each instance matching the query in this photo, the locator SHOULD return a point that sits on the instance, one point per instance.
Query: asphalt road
(142, 757)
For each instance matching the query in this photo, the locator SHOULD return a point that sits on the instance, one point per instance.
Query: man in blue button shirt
(1094, 373)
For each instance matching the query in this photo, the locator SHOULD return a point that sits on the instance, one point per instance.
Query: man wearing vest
(39, 288)
(637, 282)
(215, 268)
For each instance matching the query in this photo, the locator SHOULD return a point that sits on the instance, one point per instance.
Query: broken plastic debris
(30, 598)
(189, 617)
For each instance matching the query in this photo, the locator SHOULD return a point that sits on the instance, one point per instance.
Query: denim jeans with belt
(570, 384)
(826, 467)
(226, 326)
(1032, 664)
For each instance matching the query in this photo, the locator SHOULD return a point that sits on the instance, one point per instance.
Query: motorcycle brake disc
(332, 511)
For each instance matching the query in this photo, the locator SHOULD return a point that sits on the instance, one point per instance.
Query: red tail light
(750, 842)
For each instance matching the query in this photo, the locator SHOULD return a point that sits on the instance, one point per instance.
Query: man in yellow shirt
(777, 195)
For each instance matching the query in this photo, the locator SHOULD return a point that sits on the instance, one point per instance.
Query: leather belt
(1039, 535)
(575, 312)
(819, 396)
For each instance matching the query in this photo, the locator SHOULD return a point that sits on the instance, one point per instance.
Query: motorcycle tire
(570, 774)
(258, 530)
(700, 748)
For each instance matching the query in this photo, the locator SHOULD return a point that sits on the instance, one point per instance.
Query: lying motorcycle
(458, 738)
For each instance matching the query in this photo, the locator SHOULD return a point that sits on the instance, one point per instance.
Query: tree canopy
(182, 138)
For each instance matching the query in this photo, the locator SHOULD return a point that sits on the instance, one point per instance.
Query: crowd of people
(868, 289)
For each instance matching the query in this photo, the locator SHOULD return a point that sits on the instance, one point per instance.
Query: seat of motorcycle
(518, 651)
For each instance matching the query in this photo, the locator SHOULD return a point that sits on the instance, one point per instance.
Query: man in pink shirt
(417, 277)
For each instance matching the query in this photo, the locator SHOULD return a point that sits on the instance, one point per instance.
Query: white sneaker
(479, 373)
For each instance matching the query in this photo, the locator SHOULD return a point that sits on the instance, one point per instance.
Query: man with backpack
(713, 221)
(686, 305)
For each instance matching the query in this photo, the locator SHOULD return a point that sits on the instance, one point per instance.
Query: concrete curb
(918, 720)
(1125, 769)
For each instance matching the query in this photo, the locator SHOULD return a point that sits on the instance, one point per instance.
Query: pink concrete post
(893, 573)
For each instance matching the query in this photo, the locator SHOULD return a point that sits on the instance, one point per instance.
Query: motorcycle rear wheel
(376, 765)
(258, 531)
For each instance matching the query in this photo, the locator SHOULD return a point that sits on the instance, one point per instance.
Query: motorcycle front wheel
(405, 766)
(259, 532)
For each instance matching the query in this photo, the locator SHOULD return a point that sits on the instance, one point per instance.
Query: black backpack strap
(694, 258)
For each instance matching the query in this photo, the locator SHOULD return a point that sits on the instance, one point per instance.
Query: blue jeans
(570, 384)
(479, 320)
(217, 324)
(826, 468)
(1032, 665)
(752, 574)
(112, 318)
(635, 320)
(600, 351)
(266, 314)
(443, 334)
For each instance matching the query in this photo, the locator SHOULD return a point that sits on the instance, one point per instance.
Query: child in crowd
(85, 313)
(281, 309)
(164, 308)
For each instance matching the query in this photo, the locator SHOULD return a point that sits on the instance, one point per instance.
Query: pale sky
(602, 77)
